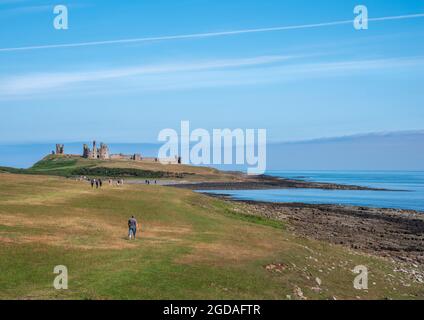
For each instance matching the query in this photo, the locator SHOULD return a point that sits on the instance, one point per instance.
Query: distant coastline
(387, 151)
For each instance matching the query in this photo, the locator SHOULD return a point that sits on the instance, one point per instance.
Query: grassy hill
(70, 166)
(191, 247)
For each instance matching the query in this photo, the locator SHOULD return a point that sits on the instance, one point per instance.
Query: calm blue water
(411, 182)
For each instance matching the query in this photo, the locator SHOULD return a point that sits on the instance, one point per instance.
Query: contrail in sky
(205, 35)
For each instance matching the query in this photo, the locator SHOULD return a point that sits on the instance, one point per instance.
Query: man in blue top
(132, 227)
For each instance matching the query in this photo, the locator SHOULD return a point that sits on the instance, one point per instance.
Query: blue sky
(298, 84)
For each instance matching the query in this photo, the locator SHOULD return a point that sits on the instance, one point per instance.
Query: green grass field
(75, 166)
(191, 247)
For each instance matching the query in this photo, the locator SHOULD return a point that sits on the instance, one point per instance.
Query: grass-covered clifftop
(70, 166)
(191, 247)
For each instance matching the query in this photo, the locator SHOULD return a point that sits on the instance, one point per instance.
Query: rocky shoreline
(268, 182)
(390, 233)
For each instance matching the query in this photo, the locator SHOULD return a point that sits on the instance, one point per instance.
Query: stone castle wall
(103, 153)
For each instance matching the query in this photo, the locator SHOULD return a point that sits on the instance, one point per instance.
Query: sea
(409, 185)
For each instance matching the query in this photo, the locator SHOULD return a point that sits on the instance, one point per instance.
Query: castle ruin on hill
(96, 153)
(102, 153)
(60, 149)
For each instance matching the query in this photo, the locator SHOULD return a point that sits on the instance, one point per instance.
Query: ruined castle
(96, 153)
(102, 153)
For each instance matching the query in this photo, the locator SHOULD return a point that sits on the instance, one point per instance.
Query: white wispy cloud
(31, 83)
(206, 35)
(26, 9)
(4, 2)
(418, 133)
(214, 73)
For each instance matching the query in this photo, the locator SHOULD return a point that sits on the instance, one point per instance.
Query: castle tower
(60, 149)
(86, 151)
(94, 153)
(104, 152)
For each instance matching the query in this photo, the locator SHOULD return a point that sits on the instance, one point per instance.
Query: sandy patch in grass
(5, 240)
(76, 222)
(161, 233)
(39, 190)
(46, 197)
(227, 252)
(82, 232)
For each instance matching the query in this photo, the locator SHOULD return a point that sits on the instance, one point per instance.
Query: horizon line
(206, 35)
(321, 139)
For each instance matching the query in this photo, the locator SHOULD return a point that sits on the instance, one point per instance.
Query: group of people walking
(119, 182)
(96, 182)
